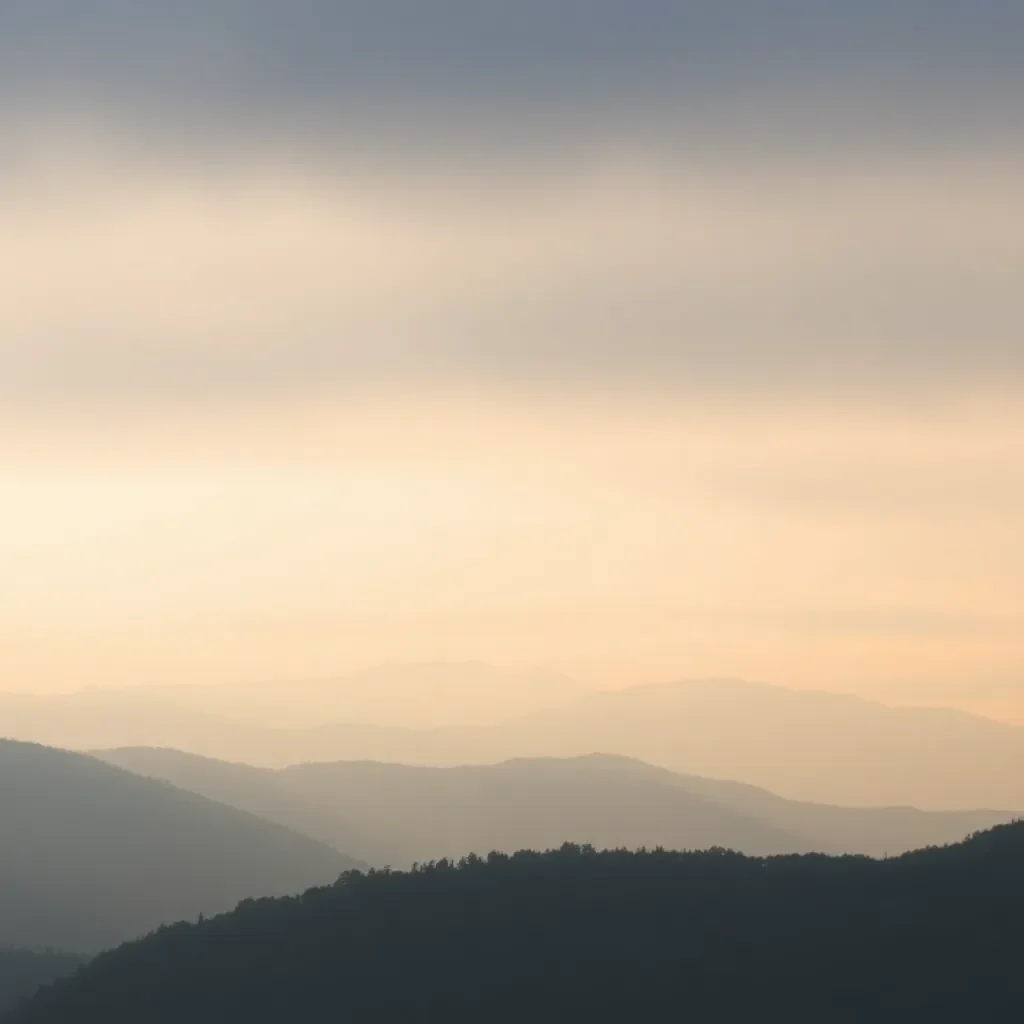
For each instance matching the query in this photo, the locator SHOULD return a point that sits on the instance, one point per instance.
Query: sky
(637, 341)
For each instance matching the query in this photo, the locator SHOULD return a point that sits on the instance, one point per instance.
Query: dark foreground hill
(397, 815)
(934, 936)
(24, 972)
(91, 855)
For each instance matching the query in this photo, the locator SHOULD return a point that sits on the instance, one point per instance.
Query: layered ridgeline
(397, 815)
(91, 855)
(820, 747)
(266, 722)
(23, 972)
(932, 936)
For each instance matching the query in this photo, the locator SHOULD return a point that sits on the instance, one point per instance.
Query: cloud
(141, 281)
(215, 199)
(230, 71)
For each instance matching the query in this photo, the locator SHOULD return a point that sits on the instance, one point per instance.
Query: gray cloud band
(420, 70)
(870, 299)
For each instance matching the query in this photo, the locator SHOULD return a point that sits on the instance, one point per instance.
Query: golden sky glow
(636, 412)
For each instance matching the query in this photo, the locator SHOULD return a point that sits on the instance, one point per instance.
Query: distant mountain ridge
(398, 814)
(805, 745)
(92, 855)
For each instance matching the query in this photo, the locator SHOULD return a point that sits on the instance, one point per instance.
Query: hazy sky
(637, 340)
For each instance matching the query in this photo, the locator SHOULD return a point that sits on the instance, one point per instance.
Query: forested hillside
(575, 935)
(23, 972)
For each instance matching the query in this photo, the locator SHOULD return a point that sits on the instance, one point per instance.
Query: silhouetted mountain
(259, 791)
(23, 972)
(97, 718)
(397, 815)
(91, 855)
(263, 721)
(604, 937)
(822, 747)
(819, 747)
(874, 831)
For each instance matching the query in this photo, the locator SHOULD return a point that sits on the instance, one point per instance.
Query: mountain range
(805, 745)
(397, 815)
